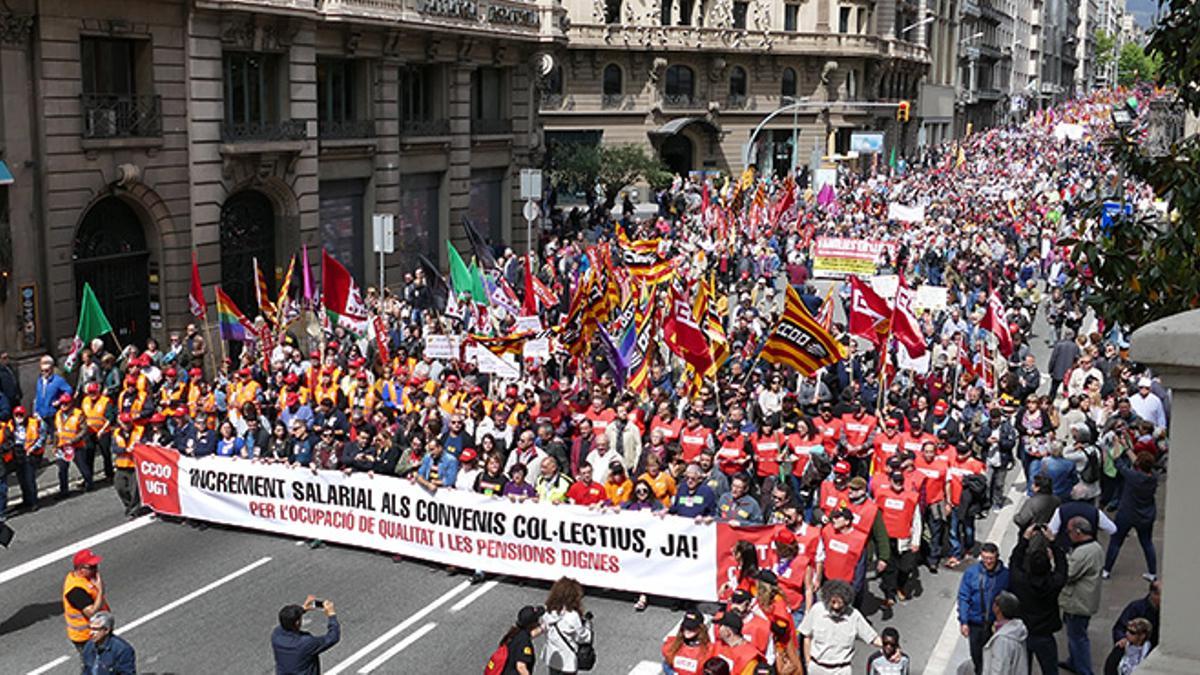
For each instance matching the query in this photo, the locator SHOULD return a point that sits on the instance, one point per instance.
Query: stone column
(1171, 347)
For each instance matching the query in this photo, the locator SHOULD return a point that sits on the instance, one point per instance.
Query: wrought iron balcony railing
(333, 130)
(284, 130)
(486, 127)
(417, 128)
(121, 116)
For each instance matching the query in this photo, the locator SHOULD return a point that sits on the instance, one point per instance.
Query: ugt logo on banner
(158, 477)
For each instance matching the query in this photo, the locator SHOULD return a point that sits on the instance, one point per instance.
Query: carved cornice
(15, 29)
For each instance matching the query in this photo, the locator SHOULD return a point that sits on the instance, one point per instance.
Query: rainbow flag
(233, 324)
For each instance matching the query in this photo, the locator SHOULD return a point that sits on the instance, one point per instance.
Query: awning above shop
(678, 124)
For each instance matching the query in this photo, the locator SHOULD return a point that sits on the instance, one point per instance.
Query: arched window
(787, 83)
(247, 233)
(554, 81)
(681, 83)
(737, 82)
(612, 80)
(110, 254)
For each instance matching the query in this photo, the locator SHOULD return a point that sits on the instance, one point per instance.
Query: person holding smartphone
(298, 652)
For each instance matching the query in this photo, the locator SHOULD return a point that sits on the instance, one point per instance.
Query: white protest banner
(528, 323)
(491, 364)
(919, 365)
(885, 285)
(906, 214)
(625, 550)
(537, 347)
(930, 297)
(442, 346)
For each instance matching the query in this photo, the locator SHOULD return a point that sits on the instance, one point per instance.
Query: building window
(612, 11)
(685, 12)
(681, 83)
(791, 18)
(737, 82)
(852, 84)
(341, 219)
(843, 19)
(612, 80)
(486, 207)
(863, 19)
(787, 83)
(554, 81)
(251, 96)
(740, 10)
(116, 80)
(489, 108)
(665, 13)
(418, 222)
(340, 102)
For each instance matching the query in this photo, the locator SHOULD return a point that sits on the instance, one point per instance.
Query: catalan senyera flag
(800, 342)
(825, 313)
(262, 295)
(233, 324)
(645, 246)
(709, 315)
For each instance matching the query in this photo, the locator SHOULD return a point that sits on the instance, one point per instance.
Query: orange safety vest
(323, 392)
(245, 392)
(123, 442)
(95, 410)
(133, 407)
(70, 429)
(78, 629)
(5, 430)
(33, 431)
(171, 397)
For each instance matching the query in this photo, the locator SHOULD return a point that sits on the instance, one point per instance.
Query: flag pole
(208, 336)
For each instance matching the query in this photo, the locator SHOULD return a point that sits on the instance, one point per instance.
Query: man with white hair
(105, 652)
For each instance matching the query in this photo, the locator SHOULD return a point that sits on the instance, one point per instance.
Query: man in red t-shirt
(585, 491)
(933, 500)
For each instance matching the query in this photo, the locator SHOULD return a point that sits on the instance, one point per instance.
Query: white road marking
(943, 650)
(474, 596)
(647, 668)
(166, 608)
(399, 647)
(70, 549)
(399, 628)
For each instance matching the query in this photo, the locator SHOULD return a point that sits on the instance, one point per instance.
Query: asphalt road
(204, 600)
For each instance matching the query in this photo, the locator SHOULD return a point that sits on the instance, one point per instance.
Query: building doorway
(678, 153)
(111, 255)
(247, 232)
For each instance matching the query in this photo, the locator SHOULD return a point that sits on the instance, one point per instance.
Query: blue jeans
(937, 528)
(959, 546)
(667, 670)
(1078, 645)
(27, 479)
(1144, 532)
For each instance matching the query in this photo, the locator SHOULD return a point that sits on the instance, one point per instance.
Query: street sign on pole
(384, 241)
(531, 183)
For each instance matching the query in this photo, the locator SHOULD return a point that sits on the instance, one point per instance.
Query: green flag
(892, 160)
(92, 324)
(478, 290)
(460, 276)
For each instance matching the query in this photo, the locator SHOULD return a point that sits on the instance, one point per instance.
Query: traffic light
(902, 110)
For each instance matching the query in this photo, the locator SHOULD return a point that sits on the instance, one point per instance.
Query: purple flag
(616, 361)
(308, 286)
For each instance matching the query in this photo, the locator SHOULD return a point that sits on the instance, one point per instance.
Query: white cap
(1143, 382)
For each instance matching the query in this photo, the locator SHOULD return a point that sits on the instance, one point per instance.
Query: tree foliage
(1136, 65)
(1106, 47)
(1148, 267)
(582, 166)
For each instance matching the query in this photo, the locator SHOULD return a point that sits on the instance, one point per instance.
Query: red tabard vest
(898, 509)
(913, 442)
(731, 456)
(831, 496)
(831, 433)
(737, 657)
(689, 660)
(885, 447)
(791, 579)
(766, 453)
(864, 515)
(692, 441)
(842, 551)
(858, 430)
(935, 478)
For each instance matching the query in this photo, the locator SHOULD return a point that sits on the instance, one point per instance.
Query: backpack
(975, 497)
(1091, 470)
(585, 652)
(497, 661)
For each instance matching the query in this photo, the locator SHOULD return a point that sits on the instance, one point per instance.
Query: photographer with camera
(1037, 573)
(298, 652)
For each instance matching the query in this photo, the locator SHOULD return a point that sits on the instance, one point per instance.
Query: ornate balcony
(617, 101)
(285, 130)
(424, 128)
(738, 103)
(485, 127)
(333, 130)
(121, 116)
(679, 102)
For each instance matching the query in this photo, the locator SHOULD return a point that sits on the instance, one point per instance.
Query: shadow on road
(30, 615)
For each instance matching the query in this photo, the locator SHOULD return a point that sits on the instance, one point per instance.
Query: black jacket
(1038, 594)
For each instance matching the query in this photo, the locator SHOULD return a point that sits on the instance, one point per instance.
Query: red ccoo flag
(870, 315)
(684, 335)
(196, 292)
(905, 326)
(993, 322)
(530, 305)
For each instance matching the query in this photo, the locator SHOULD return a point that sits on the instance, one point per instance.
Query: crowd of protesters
(872, 470)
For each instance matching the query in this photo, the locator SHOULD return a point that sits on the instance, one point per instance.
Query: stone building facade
(139, 134)
(693, 79)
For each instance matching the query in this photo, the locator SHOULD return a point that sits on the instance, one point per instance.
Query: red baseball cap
(784, 536)
(92, 388)
(86, 558)
(842, 467)
(940, 407)
(170, 372)
(19, 410)
(891, 422)
(293, 398)
(291, 378)
(64, 399)
(467, 455)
